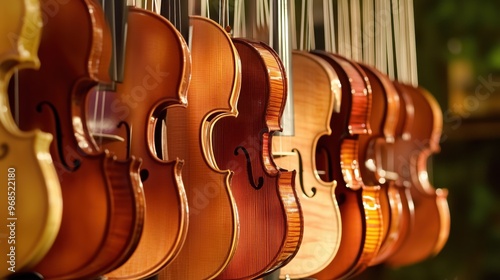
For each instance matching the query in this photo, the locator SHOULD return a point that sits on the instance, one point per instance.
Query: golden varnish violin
(31, 189)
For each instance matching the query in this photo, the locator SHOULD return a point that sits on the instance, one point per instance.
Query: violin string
(412, 43)
(310, 15)
(355, 28)
(389, 47)
(326, 24)
(347, 30)
(302, 25)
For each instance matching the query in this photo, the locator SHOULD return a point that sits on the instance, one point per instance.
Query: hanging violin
(213, 95)
(359, 203)
(32, 191)
(152, 81)
(86, 245)
(269, 215)
(316, 94)
(431, 217)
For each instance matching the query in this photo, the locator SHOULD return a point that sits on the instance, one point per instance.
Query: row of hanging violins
(139, 142)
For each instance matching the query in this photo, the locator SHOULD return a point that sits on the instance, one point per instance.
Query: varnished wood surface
(375, 151)
(84, 247)
(359, 204)
(31, 183)
(156, 76)
(270, 223)
(431, 213)
(213, 94)
(316, 96)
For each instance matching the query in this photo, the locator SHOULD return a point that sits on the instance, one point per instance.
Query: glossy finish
(213, 95)
(316, 96)
(359, 204)
(74, 57)
(376, 156)
(269, 215)
(31, 189)
(153, 81)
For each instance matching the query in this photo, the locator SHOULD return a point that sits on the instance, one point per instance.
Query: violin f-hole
(4, 150)
(301, 176)
(144, 173)
(59, 136)
(249, 168)
(129, 135)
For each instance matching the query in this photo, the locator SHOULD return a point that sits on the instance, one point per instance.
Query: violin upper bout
(206, 31)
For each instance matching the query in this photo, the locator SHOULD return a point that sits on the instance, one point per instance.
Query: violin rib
(316, 96)
(31, 185)
(269, 214)
(213, 95)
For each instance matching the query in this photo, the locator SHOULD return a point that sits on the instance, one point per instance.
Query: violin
(266, 201)
(359, 204)
(89, 239)
(431, 212)
(130, 199)
(212, 96)
(153, 81)
(267, 205)
(430, 220)
(32, 191)
(320, 240)
(311, 76)
(378, 149)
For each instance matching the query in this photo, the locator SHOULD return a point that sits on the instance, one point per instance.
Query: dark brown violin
(97, 189)
(156, 76)
(430, 222)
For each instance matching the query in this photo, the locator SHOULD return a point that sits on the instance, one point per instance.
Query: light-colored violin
(31, 197)
(316, 95)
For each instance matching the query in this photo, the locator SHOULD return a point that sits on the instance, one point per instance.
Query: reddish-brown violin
(269, 216)
(156, 76)
(96, 188)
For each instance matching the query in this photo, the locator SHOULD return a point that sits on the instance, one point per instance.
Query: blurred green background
(451, 33)
(458, 53)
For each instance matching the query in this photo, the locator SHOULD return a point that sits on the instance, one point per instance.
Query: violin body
(359, 204)
(431, 212)
(377, 153)
(156, 76)
(32, 191)
(320, 240)
(213, 95)
(269, 214)
(97, 202)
